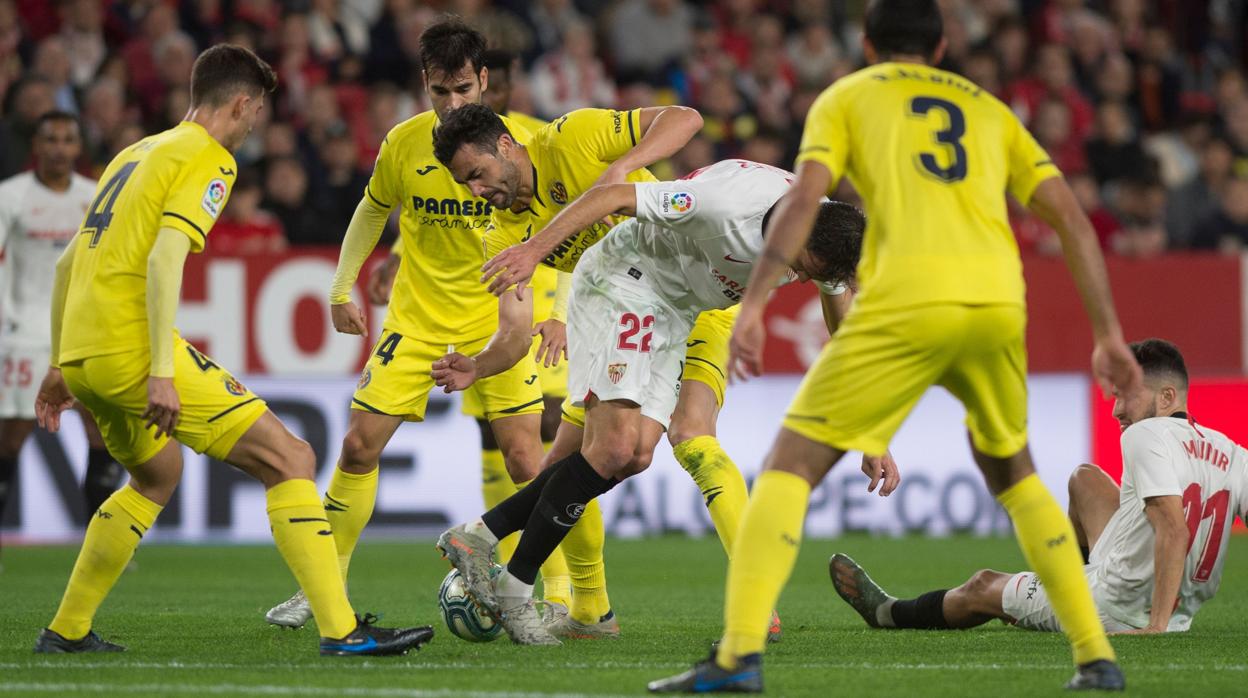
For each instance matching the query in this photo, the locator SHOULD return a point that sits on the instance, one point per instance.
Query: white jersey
(36, 223)
(698, 238)
(1169, 456)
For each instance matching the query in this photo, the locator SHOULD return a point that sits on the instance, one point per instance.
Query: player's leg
(496, 484)
(1093, 499)
(13, 433)
(975, 602)
(989, 377)
(352, 492)
(104, 474)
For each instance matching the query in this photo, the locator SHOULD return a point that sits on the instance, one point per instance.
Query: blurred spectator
(697, 153)
(767, 147)
(336, 30)
(103, 116)
(286, 195)
(385, 111)
(244, 227)
(814, 54)
(649, 37)
(572, 77)
(1140, 206)
(1160, 80)
(1235, 122)
(175, 54)
(1226, 228)
(982, 68)
(158, 21)
(82, 28)
(12, 46)
(1011, 44)
(768, 85)
(727, 123)
(1115, 79)
(1115, 151)
(736, 27)
(340, 188)
(1052, 129)
(1053, 79)
(1198, 199)
(27, 101)
(1178, 152)
(549, 20)
(1103, 222)
(392, 43)
(51, 63)
(502, 29)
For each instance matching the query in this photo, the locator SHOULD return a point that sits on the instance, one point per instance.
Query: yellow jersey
(544, 278)
(532, 124)
(932, 155)
(569, 154)
(438, 295)
(180, 179)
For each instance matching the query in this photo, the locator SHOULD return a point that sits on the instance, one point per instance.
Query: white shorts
(21, 371)
(1026, 602)
(624, 342)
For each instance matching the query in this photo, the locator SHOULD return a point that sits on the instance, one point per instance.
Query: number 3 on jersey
(98, 219)
(950, 137)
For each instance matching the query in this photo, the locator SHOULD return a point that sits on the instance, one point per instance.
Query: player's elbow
(690, 119)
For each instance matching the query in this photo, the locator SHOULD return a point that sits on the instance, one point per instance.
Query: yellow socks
(1048, 542)
(112, 536)
(496, 485)
(582, 548)
(761, 561)
(349, 503)
(720, 482)
(302, 533)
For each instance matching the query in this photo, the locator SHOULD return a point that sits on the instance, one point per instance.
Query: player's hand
(381, 281)
(348, 319)
(454, 372)
(883, 473)
(1114, 367)
(53, 399)
(745, 349)
(163, 406)
(513, 266)
(554, 342)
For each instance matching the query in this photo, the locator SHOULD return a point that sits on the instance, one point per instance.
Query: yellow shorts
(216, 409)
(552, 382)
(706, 359)
(706, 350)
(877, 366)
(397, 381)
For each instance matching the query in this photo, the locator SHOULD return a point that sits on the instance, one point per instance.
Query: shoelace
(367, 618)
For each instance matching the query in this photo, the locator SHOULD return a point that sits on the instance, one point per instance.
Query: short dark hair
(1160, 358)
(58, 115)
(449, 43)
(904, 27)
(224, 70)
(836, 240)
(498, 61)
(471, 124)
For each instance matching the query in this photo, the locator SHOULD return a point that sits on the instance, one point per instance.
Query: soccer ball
(462, 616)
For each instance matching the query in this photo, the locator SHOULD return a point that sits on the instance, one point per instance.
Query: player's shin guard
(720, 482)
(1048, 542)
(303, 536)
(104, 476)
(582, 548)
(113, 534)
(562, 504)
(761, 562)
(349, 502)
(496, 487)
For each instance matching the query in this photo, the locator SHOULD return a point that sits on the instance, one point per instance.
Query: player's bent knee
(295, 460)
(1085, 474)
(358, 455)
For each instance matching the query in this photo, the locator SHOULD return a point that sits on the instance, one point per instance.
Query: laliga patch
(214, 197)
(678, 203)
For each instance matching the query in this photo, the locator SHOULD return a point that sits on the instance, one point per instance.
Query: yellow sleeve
(825, 139)
(563, 290)
(198, 195)
(164, 287)
(363, 232)
(602, 134)
(385, 186)
(1029, 163)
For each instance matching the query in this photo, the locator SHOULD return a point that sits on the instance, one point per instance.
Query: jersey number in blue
(99, 218)
(950, 136)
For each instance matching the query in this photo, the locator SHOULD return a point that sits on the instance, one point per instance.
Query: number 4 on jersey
(99, 218)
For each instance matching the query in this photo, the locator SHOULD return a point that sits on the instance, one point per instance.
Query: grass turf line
(192, 618)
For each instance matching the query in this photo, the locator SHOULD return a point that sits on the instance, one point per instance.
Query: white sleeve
(673, 204)
(1145, 454)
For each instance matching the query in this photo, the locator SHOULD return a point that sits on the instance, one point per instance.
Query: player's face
(490, 176)
(807, 267)
(450, 91)
(1132, 407)
(56, 147)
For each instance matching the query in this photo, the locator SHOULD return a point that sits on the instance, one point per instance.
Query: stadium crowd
(1143, 103)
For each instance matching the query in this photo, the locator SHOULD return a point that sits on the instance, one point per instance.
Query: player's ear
(939, 54)
(484, 78)
(868, 50)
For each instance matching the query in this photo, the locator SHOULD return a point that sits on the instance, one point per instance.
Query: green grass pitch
(192, 618)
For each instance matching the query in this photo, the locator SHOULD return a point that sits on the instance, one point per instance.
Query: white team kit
(36, 223)
(1161, 456)
(637, 293)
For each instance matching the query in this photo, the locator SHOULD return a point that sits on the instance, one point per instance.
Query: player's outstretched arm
(362, 235)
(514, 266)
(509, 345)
(786, 235)
(1113, 364)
